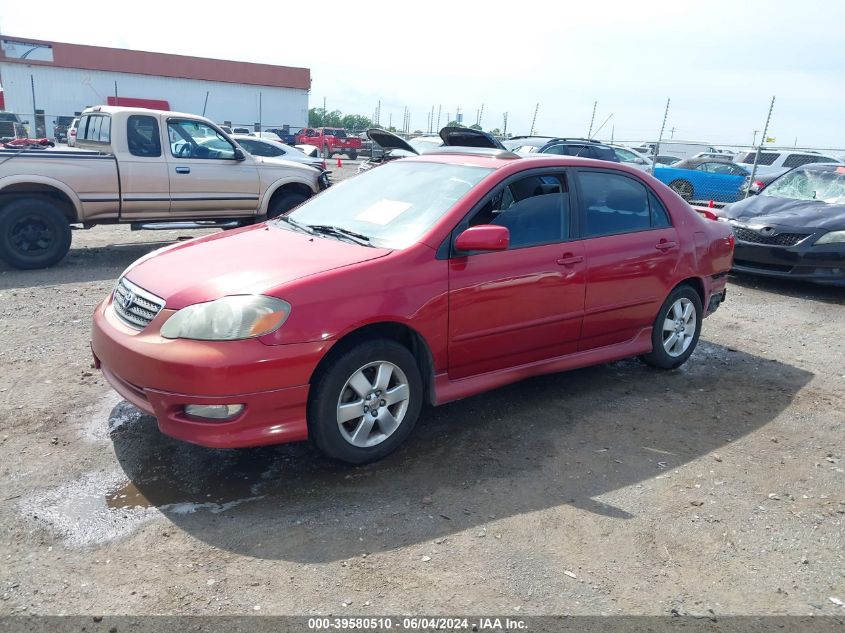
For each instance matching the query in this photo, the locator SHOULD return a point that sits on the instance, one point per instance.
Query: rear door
(205, 177)
(144, 179)
(523, 304)
(631, 252)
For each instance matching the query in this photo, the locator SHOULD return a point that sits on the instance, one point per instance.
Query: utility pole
(431, 121)
(458, 115)
(759, 147)
(324, 110)
(612, 132)
(754, 138)
(660, 137)
(204, 105)
(592, 119)
(534, 120)
(480, 114)
(505, 126)
(34, 109)
(671, 132)
(438, 118)
(116, 102)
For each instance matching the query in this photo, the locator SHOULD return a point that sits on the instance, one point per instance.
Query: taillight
(708, 214)
(758, 184)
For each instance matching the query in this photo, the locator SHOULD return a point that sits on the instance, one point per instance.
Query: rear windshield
(335, 133)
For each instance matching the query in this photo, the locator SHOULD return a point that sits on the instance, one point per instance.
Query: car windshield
(392, 206)
(810, 184)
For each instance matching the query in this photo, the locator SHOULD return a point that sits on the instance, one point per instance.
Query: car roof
(502, 159)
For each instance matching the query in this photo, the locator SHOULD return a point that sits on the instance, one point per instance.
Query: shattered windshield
(810, 184)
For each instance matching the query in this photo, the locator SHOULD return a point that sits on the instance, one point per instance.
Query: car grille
(134, 305)
(779, 239)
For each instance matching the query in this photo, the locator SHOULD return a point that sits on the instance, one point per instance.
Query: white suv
(775, 161)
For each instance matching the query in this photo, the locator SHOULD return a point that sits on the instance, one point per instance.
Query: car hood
(268, 161)
(467, 137)
(258, 259)
(810, 214)
(388, 141)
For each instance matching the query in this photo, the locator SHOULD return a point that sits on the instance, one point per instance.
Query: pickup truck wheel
(284, 203)
(33, 234)
(353, 155)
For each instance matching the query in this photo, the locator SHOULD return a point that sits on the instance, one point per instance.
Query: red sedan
(430, 279)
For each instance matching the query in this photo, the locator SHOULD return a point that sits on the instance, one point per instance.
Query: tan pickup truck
(140, 167)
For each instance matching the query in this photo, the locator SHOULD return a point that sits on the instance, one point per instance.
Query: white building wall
(65, 91)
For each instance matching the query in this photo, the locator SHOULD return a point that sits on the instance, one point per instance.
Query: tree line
(318, 117)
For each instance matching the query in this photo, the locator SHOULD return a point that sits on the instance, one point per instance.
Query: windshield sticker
(383, 212)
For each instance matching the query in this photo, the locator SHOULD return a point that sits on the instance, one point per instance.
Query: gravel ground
(614, 489)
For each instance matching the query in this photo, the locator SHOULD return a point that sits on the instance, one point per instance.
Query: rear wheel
(33, 233)
(366, 402)
(353, 155)
(676, 329)
(683, 188)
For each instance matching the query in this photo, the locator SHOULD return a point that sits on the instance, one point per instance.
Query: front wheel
(285, 202)
(366, 402)
(33, 234)
(676, 329)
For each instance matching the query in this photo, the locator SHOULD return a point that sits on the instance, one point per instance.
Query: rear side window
(659, 215)
(766, 158)
(605, 153)
(616, 204)
(142, 136)
(796, 160)
(95, 128)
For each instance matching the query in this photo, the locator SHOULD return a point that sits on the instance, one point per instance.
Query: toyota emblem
(127, 300)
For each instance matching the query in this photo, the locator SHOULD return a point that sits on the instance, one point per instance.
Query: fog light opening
(214, 411)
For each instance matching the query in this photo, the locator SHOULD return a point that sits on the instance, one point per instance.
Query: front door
(205, 178)
(632, 251)
(523, 304)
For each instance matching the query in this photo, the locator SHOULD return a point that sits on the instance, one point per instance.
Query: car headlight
(834, 237)
(228, 319)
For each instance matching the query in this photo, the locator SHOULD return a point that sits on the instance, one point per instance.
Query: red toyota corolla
(427, 280)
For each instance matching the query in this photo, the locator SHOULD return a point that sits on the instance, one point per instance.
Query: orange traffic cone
(339, 164)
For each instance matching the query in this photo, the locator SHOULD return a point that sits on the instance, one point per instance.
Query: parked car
(60, 127)
(426, 280)
(71, 132)
(331, 141)
(225, 128)
(392, 147)
(285, 135)
(717, 155)
(138, 174)
(681, 149)
(705, 179)
(273, 149)
(795, 228)
(243, 130)
(583, 147)
(632, 158)
(780, 161)
(34, 143)
(664, 160)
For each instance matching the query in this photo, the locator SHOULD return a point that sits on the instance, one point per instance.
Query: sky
(718, 62)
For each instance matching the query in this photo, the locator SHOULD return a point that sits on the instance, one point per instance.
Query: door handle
(664, 245)
(183, 170)
(569, 259)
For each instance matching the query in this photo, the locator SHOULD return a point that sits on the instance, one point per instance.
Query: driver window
(534, 209)
(195, 139)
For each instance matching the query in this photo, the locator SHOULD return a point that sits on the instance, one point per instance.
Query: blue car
(705, 179)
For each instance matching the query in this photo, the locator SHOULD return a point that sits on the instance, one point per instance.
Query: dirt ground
(615, 489)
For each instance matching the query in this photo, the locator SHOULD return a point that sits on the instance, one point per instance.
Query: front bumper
(818, 264)
(161, 376)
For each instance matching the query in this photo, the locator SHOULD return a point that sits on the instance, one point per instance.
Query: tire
(683, 188)
(283, 203)
(33, 234)
(670, 323)
(381, 427)
(353, 155)
(326, 152)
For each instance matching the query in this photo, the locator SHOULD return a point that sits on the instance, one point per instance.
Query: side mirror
(486, 237)
(640, 161)
(239, 154)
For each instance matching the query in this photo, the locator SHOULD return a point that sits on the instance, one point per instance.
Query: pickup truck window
(195, 139)
(142, 136)
(94, 128)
